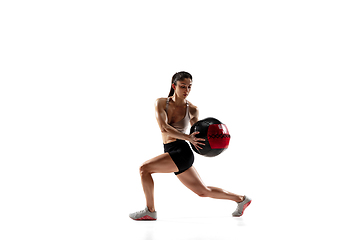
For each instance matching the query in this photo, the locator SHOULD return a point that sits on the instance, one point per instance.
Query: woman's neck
(178, 101)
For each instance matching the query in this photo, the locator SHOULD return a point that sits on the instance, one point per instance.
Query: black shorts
(181, 153)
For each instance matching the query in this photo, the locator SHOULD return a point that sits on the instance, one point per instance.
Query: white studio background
(78, 84)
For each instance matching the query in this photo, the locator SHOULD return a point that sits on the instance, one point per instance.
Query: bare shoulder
(160, 102)
(193, 109)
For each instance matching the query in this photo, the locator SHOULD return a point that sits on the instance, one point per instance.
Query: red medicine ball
(216, 136)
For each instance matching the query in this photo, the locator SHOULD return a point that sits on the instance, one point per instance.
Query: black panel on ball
(202, 127)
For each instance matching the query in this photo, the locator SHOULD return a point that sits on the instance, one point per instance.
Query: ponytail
(178, 77)
(171, 91)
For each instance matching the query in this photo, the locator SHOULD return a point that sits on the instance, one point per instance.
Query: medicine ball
(216, 136)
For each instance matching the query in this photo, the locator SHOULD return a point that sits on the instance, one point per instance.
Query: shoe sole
(147, 218)
(245, 206)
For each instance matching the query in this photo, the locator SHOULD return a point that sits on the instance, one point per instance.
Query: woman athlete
(173, 115)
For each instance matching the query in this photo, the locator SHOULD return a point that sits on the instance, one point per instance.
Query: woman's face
(183, 87)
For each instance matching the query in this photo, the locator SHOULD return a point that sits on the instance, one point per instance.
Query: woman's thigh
(159, 164)
(191, 179)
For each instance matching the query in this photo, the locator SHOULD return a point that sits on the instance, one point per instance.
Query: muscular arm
(162, 120)
(194, 113)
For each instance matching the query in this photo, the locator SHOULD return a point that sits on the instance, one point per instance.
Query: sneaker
(143, 215)
(241, 207)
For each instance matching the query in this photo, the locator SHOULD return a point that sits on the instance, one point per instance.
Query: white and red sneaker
(241, 207)
(143, 215)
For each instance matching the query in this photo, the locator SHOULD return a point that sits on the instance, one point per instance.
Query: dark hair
(178, 77)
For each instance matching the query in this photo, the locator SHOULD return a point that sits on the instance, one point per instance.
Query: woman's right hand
(196, 141)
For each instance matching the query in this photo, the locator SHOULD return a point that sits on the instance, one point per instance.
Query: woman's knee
(204, 192)
(144, 169)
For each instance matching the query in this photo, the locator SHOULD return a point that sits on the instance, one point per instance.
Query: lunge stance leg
(191, 179)
(160, 164)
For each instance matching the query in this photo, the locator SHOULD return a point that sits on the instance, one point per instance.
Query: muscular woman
(174, 114)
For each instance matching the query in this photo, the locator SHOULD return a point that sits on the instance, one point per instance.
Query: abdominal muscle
(167, 139)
